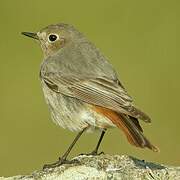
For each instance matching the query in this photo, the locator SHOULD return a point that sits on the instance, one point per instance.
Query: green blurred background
(139, 38)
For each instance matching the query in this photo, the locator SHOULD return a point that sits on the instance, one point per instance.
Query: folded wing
(99, 91)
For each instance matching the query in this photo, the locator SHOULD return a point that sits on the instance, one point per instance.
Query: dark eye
(52, 37)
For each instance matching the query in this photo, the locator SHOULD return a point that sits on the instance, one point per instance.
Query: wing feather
(99, 91)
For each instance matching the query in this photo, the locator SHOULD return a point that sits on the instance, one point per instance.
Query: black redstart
(82, 89)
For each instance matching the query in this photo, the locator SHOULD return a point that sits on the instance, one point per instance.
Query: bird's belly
(72, 113)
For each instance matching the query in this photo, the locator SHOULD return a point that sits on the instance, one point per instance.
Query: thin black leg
(99, 142)
(95, 152)
(63, 159)
(72, 144)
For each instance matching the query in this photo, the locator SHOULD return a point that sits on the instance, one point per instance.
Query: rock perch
(105, 167)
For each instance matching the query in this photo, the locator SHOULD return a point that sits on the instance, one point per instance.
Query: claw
(101, 153)
(93, 153)
(59, 163)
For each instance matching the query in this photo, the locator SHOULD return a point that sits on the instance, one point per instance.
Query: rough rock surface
(105, 167)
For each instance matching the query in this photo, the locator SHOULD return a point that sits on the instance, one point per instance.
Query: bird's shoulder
(83, 59)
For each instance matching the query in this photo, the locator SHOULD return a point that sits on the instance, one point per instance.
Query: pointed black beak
(31, 35)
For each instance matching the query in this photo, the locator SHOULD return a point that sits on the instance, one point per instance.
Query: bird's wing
(99, 91)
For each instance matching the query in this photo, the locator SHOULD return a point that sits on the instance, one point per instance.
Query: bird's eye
(53, 37)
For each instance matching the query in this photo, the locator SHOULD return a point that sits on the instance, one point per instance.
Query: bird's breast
(73, 114)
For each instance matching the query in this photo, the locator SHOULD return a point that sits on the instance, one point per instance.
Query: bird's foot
(59, 163)
(93, 153)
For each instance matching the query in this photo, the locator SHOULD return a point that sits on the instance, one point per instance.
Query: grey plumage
(76, 79)
(79, 70)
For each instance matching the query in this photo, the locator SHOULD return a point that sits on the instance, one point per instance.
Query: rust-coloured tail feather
(130, 126)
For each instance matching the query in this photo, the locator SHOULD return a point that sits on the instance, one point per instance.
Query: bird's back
(82, 59)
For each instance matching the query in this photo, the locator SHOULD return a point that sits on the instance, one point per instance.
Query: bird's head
(55, 37)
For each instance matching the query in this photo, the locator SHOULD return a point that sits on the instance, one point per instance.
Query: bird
(82, 89)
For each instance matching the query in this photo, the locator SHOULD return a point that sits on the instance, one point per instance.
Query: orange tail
(130, 126)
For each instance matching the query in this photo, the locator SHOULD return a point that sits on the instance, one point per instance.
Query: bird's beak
(31, 35)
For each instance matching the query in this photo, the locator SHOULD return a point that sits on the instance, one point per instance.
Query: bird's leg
(63, 159)
(95, 151)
